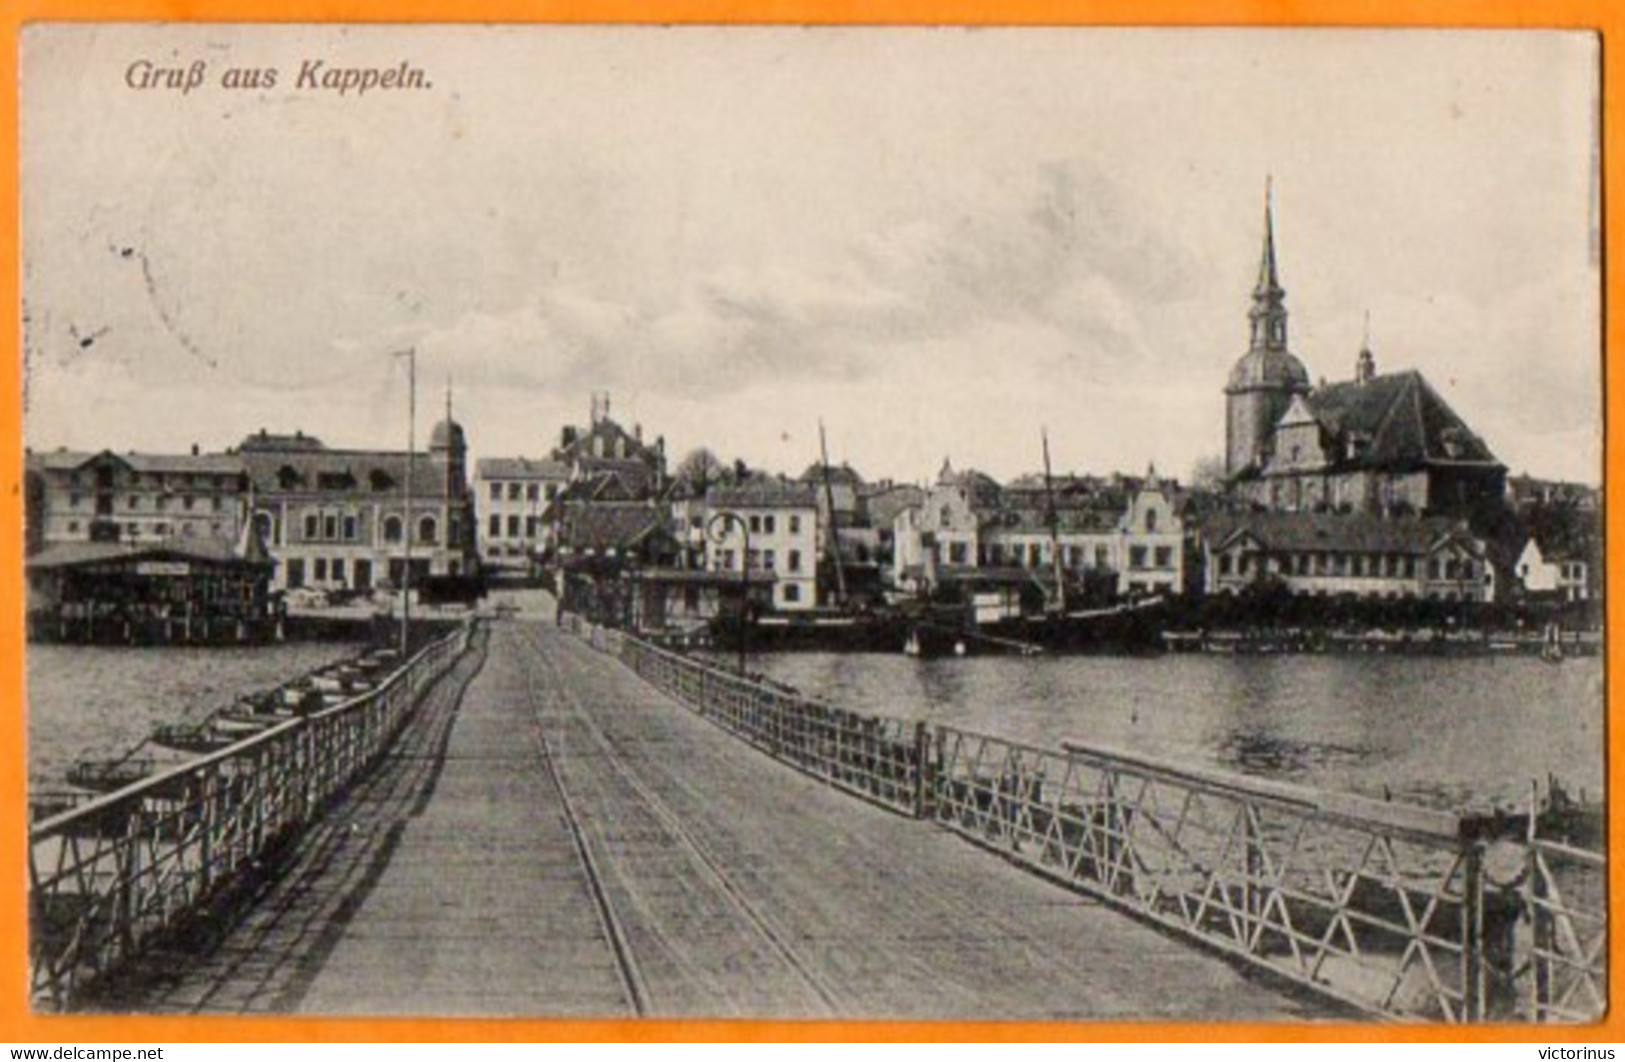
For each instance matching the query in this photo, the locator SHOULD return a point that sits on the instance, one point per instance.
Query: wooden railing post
(1472, 933)
(922, 768)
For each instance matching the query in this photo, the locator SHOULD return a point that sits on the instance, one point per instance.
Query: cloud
(1065, 258)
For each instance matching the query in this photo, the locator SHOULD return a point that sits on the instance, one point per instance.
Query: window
(792, 592)
(162, 529)
(1102, 558)
(794, 558)
(795, 524)
(319, 569)
(392, 528)
(552, 491)
(957, 553)
(187, 501)
(338, 569)
(73, 525)
(513, 492)
(496, 526)
(755, 524)
(427, 529)
(1136, 557)
(768, 524)
(349, 529)
(135, 501)
(532, 523)
(311, 523)
(531, 492)
(296, 572)
(496, 492)
(160, 503)
(73, 501)
(218, 503)
(727, 560)
(330, 526)
(1225, 564)
(1150, 521)
(513, 526)
(1165, 557)
(769, 560)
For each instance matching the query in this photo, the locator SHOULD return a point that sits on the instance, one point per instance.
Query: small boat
(192, 737)
(104, 776)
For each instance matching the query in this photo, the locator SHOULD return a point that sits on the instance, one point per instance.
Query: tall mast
(1054, 529)
(834, 539)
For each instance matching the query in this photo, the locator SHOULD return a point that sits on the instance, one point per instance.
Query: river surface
(1447, 732)
(98, 702)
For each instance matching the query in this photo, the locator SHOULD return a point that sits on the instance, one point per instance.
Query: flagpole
(411, 447)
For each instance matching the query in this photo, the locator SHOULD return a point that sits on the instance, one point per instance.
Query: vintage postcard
(814, 522)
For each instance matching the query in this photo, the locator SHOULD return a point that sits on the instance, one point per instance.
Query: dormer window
(288, 477)
(380, 480)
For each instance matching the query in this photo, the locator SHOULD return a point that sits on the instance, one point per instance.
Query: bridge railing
(1400, 911)
(114, 875)
(874, 757)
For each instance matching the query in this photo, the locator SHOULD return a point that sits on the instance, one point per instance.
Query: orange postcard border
(18, 1023)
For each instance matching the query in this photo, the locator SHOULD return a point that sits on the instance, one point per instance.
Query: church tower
(1263, 382)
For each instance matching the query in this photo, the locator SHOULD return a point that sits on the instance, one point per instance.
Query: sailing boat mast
(1054, 528)
(834, 539)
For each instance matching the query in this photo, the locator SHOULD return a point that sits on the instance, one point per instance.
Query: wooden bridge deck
(559, 839)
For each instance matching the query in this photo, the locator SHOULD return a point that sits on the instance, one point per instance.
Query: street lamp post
(716, 529)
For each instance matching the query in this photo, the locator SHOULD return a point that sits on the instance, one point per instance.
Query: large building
(338, 520)
(1381, 444)
(133, 498)
(781, 518)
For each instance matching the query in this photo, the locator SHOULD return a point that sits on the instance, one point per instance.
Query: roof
(1267, 367)
(520, 468)
(885, 505)
(1403, 418)
(265, 440)
(763, 494)
(1335, 532)
(448, 434)
(76, 554)
(343, 471)
(608, 525)
(206, 464)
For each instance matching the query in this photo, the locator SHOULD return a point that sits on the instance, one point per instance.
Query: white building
(1553, 570)
(511, 496)
(782, 520)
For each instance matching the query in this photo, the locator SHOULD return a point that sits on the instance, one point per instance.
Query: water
(95, 702)
(1442, 731)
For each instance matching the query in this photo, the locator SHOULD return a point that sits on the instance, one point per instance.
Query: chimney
(637, 433)
(194, 449)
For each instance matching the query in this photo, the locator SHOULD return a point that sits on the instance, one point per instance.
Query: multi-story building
(511, 497)
(1557, 566)
(74, 496)
(1355, 554)
(1124, 534)
(338, 519)
(782, 519)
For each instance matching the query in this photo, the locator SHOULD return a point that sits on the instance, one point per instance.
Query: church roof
(1402, 421)
(1265, 367)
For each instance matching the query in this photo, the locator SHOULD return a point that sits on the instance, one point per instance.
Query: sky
(938, 242)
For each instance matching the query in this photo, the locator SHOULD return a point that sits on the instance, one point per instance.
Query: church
(1381, 444)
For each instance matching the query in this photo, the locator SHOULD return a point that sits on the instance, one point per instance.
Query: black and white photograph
(814, 523)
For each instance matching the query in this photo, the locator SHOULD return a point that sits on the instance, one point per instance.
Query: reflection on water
(1436, 730)
(100, 701)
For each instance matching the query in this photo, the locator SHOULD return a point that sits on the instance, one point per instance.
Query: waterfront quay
(540, 820)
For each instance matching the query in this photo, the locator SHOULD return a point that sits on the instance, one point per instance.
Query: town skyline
(934, 242)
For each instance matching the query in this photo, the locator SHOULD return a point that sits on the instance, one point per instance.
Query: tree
(1208, 473)
(701, 468)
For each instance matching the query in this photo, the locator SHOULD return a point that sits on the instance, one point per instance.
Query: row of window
(532, 526)
(160, 503)
(1354, 565)
(1033, 555)
(532, 491)
(760, 560)
(161, 529)
(345, 527)
(163, 479)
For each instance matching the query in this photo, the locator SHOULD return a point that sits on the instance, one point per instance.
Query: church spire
(1268, 314)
